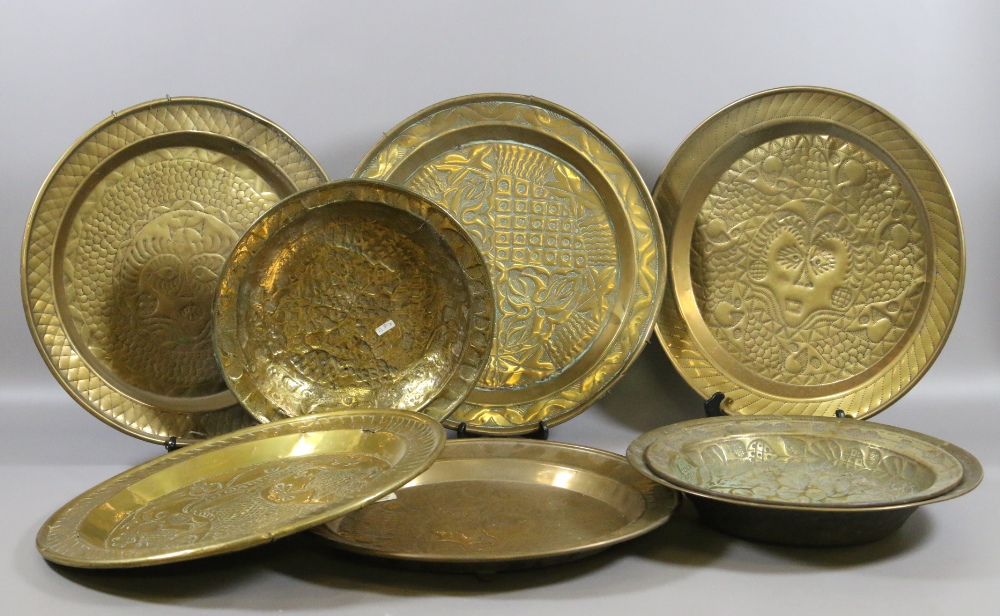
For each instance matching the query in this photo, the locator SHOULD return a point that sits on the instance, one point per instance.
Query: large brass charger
(816, 256)
(242, 489)
(124, 248)
(354, 294)
(806, 481)
(495, 504)
(574, 247)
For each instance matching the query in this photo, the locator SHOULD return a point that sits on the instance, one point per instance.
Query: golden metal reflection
(242, 489)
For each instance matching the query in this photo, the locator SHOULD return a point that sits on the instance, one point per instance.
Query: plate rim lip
(661, 249)
(697, 490)
(275, 412)
(436, 434)
(972, 470)
(116, 116)
(668, 502)
(675, 300)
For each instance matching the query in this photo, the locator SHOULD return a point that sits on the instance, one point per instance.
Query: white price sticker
(381, 329)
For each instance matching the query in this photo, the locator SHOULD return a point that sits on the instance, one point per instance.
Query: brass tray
(815, 462)
(575, 249)
(354, 294)
(488, 505)
(799, 525)
(242, 489)
(816, 255)
(123, 248)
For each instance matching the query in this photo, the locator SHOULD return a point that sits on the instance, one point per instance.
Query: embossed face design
(807, 259)
(176, 260)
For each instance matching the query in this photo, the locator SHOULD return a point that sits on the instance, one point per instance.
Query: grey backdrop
(336, 77)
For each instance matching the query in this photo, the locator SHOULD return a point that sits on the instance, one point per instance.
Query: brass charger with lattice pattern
(123, 250)
(816, 256)
(575, 250)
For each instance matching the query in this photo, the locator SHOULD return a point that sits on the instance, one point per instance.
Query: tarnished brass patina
(816, 254)
(779, 518)
(568, 228)
(242, 489)
(354, 294)
(814, 462)
(487, 505)
(123, 250)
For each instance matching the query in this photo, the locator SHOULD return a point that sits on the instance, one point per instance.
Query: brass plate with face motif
(575, 250)
(354, 294)
(816, 255)
(242, 489)
(123, 250)
(492, 504)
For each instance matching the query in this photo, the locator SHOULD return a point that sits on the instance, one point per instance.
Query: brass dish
(816, 255)
(575, 249)
(814, 462)
(123, 248)
(488, 505)
(242, 489)
(806, 525)
(354, 294)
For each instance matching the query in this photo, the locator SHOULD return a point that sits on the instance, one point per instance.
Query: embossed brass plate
(354, 294)
(242, 489)
(815, 462)
(816, 254)
(572, 239)
(803, 524)
(123, 249)
(487, 505)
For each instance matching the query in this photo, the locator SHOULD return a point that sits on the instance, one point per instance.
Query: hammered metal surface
(123, 250)
(242, 489)
(817, 256)
(355, 294)
(573, 243)
(803, 461)
(489, 505)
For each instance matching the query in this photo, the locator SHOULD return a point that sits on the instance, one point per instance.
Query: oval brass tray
(816, 256)
(815, 462)
(123, 249)
(803, 525)
(575, 249)
(242, 489)
(354, 294)
(487, 505)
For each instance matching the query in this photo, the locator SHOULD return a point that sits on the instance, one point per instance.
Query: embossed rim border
(264, 139)
(946, 467)
(660, 504)
(334, 194)
(934, 197)
(972, 470)
(58, 539)
(634, 328)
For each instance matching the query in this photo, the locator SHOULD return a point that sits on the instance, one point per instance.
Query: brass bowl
(488, 505)
(800, 522)
(354, 294)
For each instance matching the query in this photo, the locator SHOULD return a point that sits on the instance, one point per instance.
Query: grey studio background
(336, 76)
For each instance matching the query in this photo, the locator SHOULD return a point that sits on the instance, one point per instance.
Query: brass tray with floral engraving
(796, 509)
(242, 489)
(816, 256)
(488, 504)
(575, 249)
(123, 249)
(354, 294)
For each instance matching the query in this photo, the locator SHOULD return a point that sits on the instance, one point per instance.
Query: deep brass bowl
(241, 489)
(800, 524)
(488, 505)
(355, 294)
